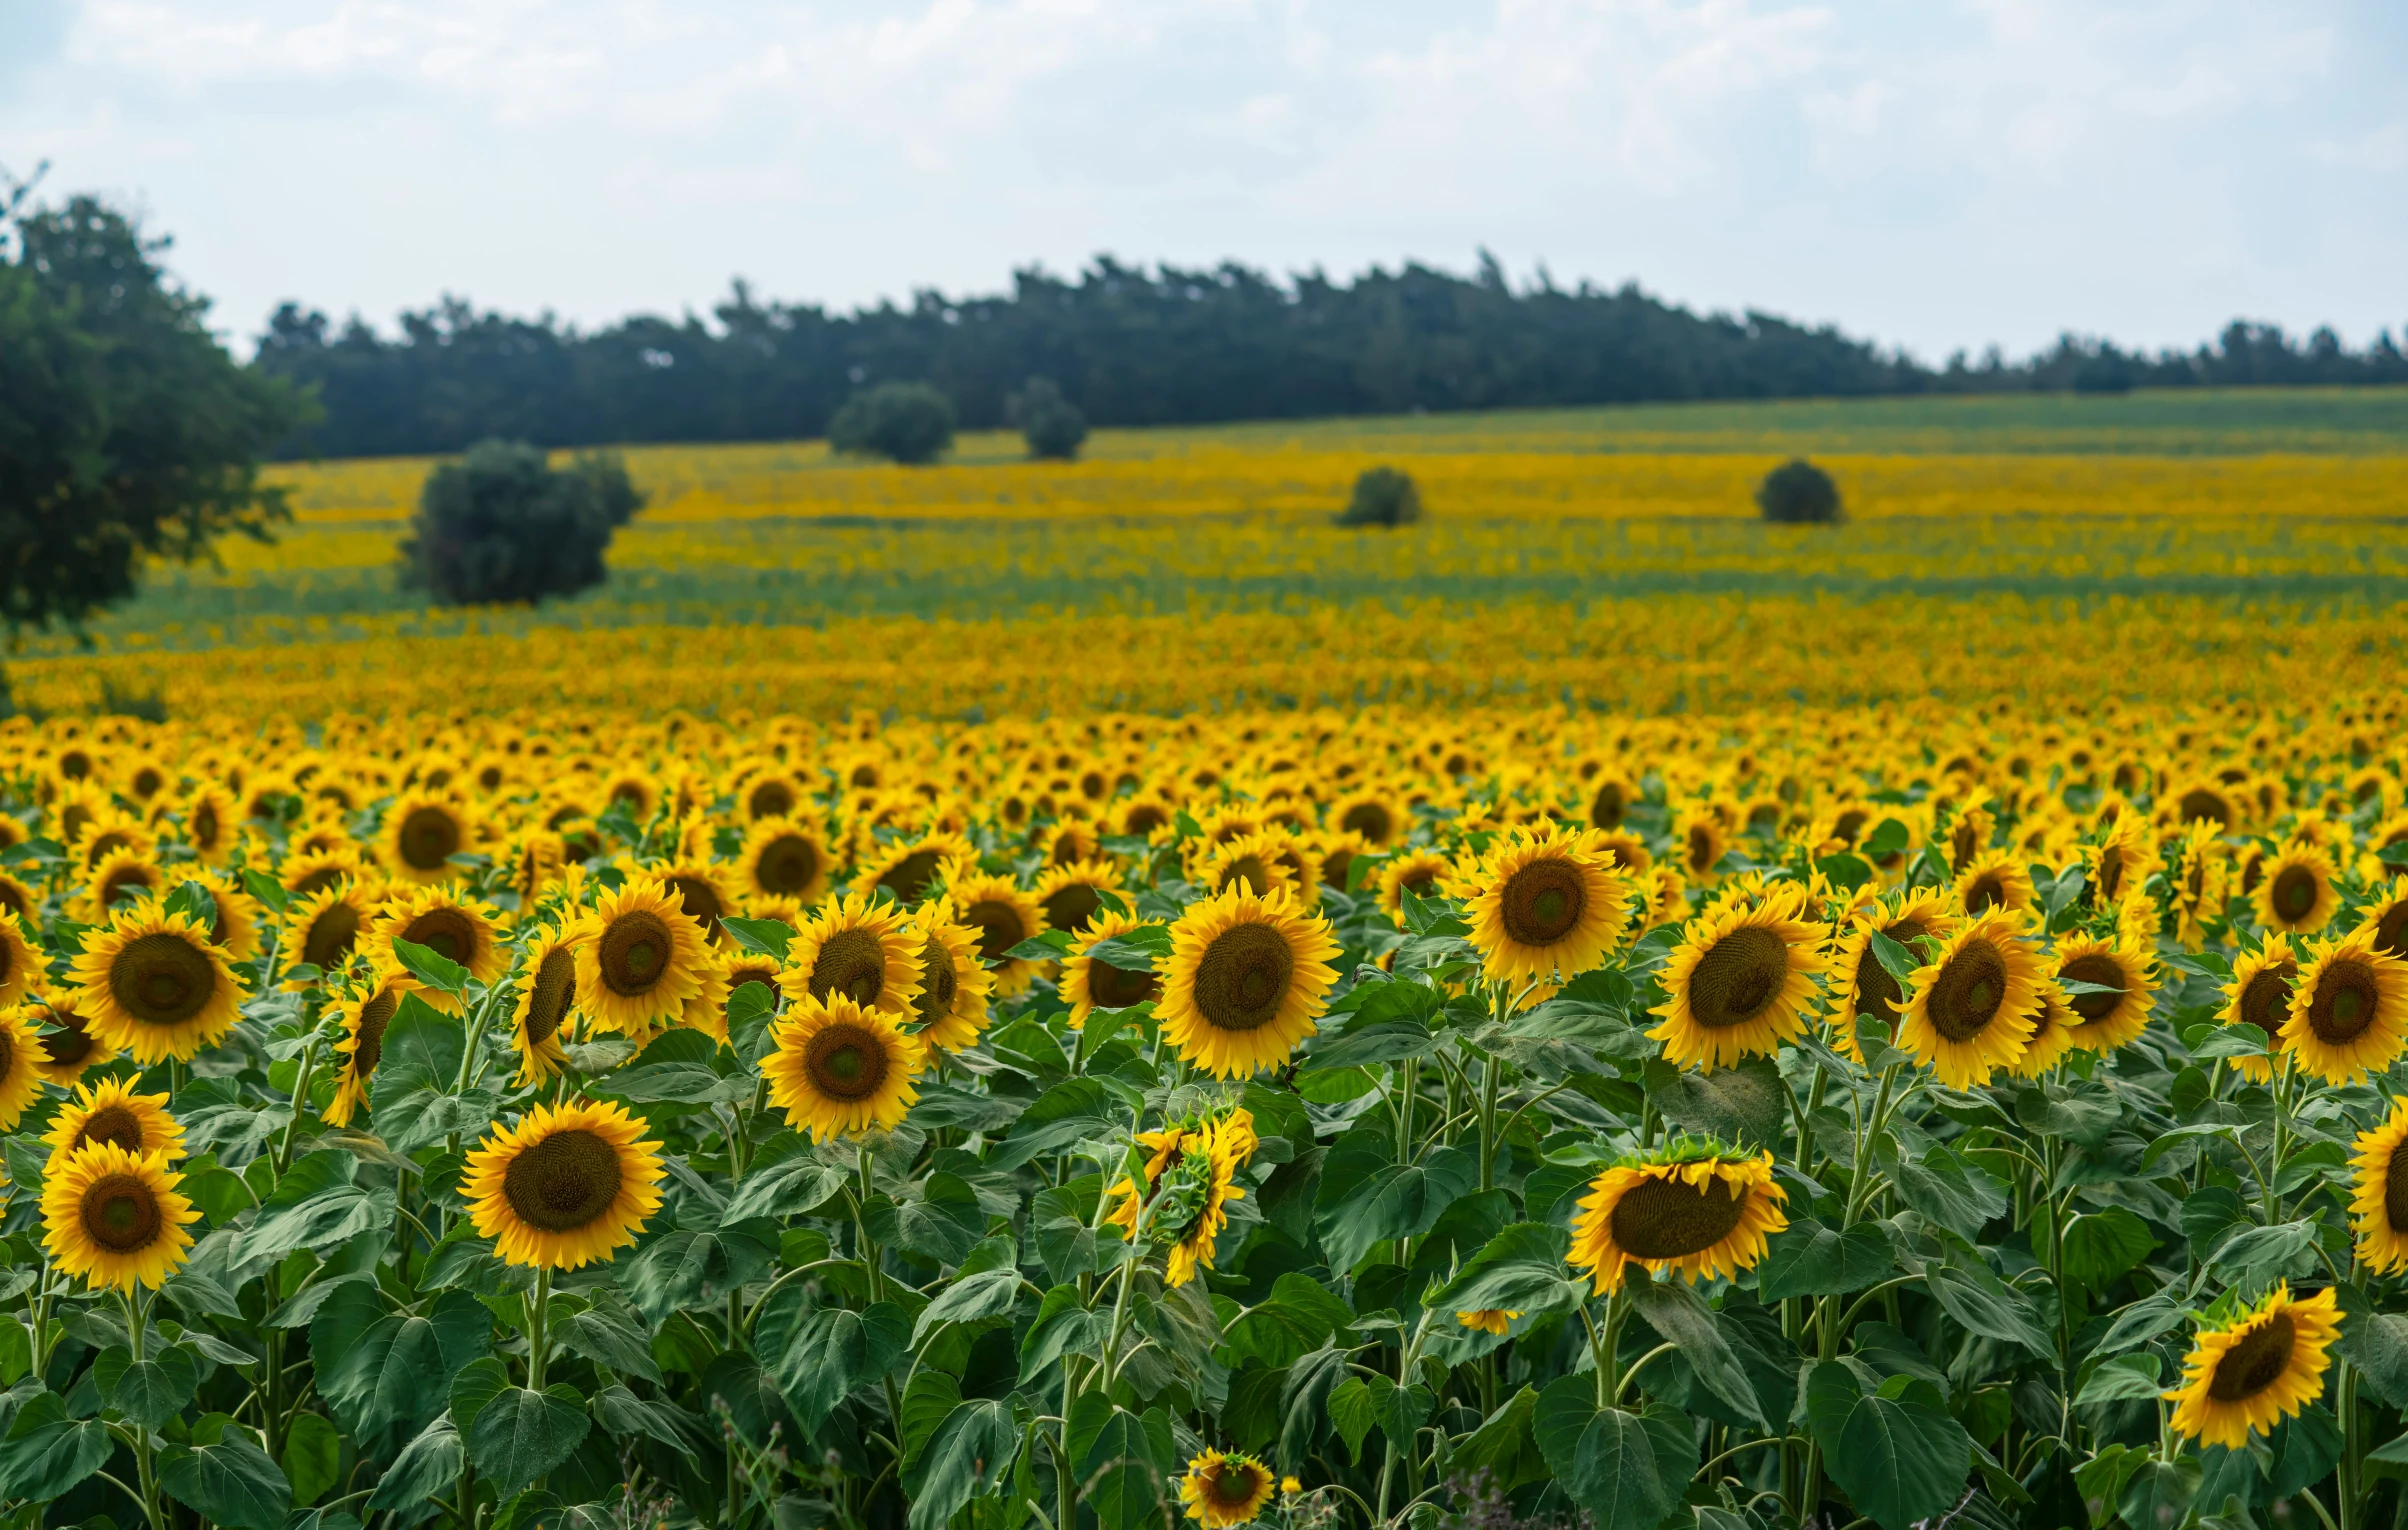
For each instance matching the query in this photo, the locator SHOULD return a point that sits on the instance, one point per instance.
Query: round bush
(1383, 496)
(1798, 491)
(1053, 426)
(502, 526)
(906, 422)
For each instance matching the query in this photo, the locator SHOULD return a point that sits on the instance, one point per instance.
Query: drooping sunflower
(112, 1112)
(1074, 894)
(565, 1187)
(2380, 1208)
(154, 986)
(1424, 873)
(211, 816)
(69, 1049)
(1247, 978)
(2052, 1032)
(536, 858)
(640, 959)
(954, 984)
(2260, 995)
(1189, 1179)
(114, 1217)
(1969, 1011)
(1700, 1210)
(862, 950)
(1547, 904)
(2349, 1009)
(2249, 1373)
(2296, 894)
(457, 929)
(1225, 1488)
(909, 870)
(2387, 917)
(547, 991)
(1089, 985)
(1489, 1320)
(2201, 878)
(1995, 879)
(837, 1068)
(1870, 989)
(20, 965)
(364, 1013)
(20, 1065)
(324, 928)
(2113, 1019)
(1739, 983)
(423, 831)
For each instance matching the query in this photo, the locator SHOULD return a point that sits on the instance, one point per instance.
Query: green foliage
(1053, 426)
(502, 526)
(1798, 493)
(906, 422)
(1383, 496)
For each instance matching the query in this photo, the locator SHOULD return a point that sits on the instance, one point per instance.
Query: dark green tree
(906, 422)
(1383, 496)
(503, 526)
(1052, 425)
(1798, 491)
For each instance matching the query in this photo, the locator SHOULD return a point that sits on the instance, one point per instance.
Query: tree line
(1133, 346)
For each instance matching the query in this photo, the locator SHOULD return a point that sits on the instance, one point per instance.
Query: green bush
(503, 526)
(1798, 491)
(906, 422)
(1383, 496)
(1053, 426)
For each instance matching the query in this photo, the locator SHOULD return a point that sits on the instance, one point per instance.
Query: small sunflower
(239, 916)
(954, 985)
(2380, 1207)
(364, 1014)
(908, 871)
(423, 831)
(2349, 1009)
(861, 950)
(1703, 1213)
(1255, 863)
(1247, 978)
(1492, 1320)
(69, 1049)
(211, 816)
(154, 986)
(457, 929)
(547, 991)
(1074, 894)
(784, 858)
(112, 1112)
(20, 1066)
(1375, 813)
(565, 1187)
(121, 876)
(1089, 985)
(2387, 916)
(2110, 1020)
(2260, 995)
(1003, 916)
(702, 895)
(1222, 1489)
(640, 959)
(1546, 904)
(2052, 1032)
(1423, 873)
(323, 929)
(1995, 879)
(838, 1069)
(114, 1217)
(1739, 983)
(1969, 1012)
(1699, 839)
(18, 899)
(2296, 894)
(2246, 1375)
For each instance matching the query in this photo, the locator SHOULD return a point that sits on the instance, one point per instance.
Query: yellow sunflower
(69, 1049)
(1995, 879)
(1003, 916)
(2380, 1207)
(457, 929)
(1969, 1012)
(784, 858)
(908, 871)
(1248, 976)
(1546, 904)
(1190, 1179)
(838, 1069)
(1739, 983)
(1072, 895)
(640, 959)
(20, 1065)
(120, 876)
(239, 916)
(1255, 862)
(1703, 1214)
(2349, 1009)
(112, 1112)
(423, 831)
(154, 986)
(952, 1001)
(1493, 1320)
(2296, 894)
(2124, 859)
(2052, 1032)
(702, 895)
(114, 1217)
(20, 900)
(1424, 873)
(1222, 1489)
(1373, 812)
(2106, 1021)
(1870, 989)
(547, 991)
(20, 964)
(2387, 916)
(1699, 839)
(861, 950)
(323, 929)
(1089, 985)
(566, 1187)
(2260, 995)
(364, 1014)
(2244, 1376)
(211, 816)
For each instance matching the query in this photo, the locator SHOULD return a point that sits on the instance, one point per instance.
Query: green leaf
(2255, 1255)
(1896, 960)
(427, 1467)
(970, 1454)
(2375, 1342)
(312, 1457)
(1049, 946)
(749, 1011)
(626, 1416)
(1352, 1415)
(1505, 1447)
(1128, 1470)
(1682, 1317)
(150, 1392)
(784, 1180)
(232, 1482)
(1945, 1187)
(986, 1286)
(1370, 1045)
(1813, 1260)
(519, 1434)
(1365, 1199)
(2101, 1245)
(762, 937)
(1889, 837)
(1063, 1326)
(266, 889)
(1745, 1106)
(315, 1206)
(2231, 1041)
(943, 1225)
(1604, 1459)
(684, 1268)
(432, 968)
(818, 1358)
(1521, 1269)
(376, 1369)
(679, 1067)
(2159, 1493)
(1298, 1317)
(2123, 1378)
(1902, 1458)
(1972, 1293)
(1135, 950)
(194, 901)
(1060, 1225)
(1070, 1110)
(46, 1453)
(610, 1332)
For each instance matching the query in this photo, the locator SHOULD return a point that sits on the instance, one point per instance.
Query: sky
(1932, 174)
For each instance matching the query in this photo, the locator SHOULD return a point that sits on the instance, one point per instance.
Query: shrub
(910, 423)
(1798, 491)
(1053, 425)
(503, 526)
(1383, 496)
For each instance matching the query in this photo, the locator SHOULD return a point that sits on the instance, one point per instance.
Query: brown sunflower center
(121, 1213)
(429, 837)
(910, 876)
(1703, 850)
(124, 880)
(2345, 1002)
(1243, 976)
(1877, 993)
(1071, 905)
(203, 827)
(2395, 1190)
(787, 865)
(1234, 1482)
(161, 979)
(330, 936)
(2111, 871)
(69, 1044)
(1247, 871)
(548, 1004)
(939, 983)
(852, 963)
(2293, 894)
(1542, 903)
(368, 1044)
(2200, 804)
(1370, 820)
(564, 1181)
(111, 1123)
(2253, 1364)
(1607, 808)
(1738, 978)
(2102, 970)
(2391, 931)
(1670, 1219)
(1989, 890)
(1967, 994)
(1112, 987)
(448, 932)
(846, 1061)
(770, 799)
(2266, 1001)
(319, 880)
(634, 953)
(999, 927)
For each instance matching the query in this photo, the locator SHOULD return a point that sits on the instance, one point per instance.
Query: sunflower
(839, 1069)
(2260, 995)
(1870, 988)
(702, 895)
(313, 871)
(1490, 1320)
(2249, 1373)
(536, 858)
(457, 929)
(1699, 838)
(1225, 1488)
(20, 964)
(423, 831)
(363, 1015)
(2123, 860)
(772, 794)
(2296, 894)
(114, 1217)
(210, 816)
(954, 985)
(640, 959)
(565, 1187)
(119, 876)
(2052, 1032)
(239, 916)
(2349, 1009)
(1089, 985)
(1969, 1011)
(1995, 879)
(111, 1111)
(18, 899)
(1003, 916)
(20, 1066)
(2208, 803)
(1189, 1179)
(1702, 1211)
(2380, 1208)
(1378, 815)
(1546, 904)
(1739, 983)
(1253, 862)
(69, 1049)
(860, 950)
(547, 990)
(154, 986)
(1424, 873)
(323, 929)
(908, 871)
(2106, 1021)
(2387, 916)
(1248, 976)
(1074, 894)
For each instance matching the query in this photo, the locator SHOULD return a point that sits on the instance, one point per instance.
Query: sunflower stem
(537, 1314)
(1488, 1100)
(292, 1128)
(145, 1472)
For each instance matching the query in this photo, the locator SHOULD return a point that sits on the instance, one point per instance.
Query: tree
(503, 526)
(906, 422)
(1798, 491)
(1383, 496)
(1052, 425)
(126, 431)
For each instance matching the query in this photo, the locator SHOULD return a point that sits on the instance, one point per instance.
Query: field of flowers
(1084, 998)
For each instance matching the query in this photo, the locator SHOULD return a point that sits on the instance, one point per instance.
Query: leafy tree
(503, 526)
(1053, 426)
(1798, 491)
(906, 422)
(1383, 496)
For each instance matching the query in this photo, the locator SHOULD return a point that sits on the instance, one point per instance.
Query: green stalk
(146, 1474)
(537, 1338)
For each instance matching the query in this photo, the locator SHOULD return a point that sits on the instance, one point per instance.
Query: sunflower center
(2391, 931)
(121, 1214)
(910, 876)
(1738, 978)
(999, 927)
(368, 1045)
(2103, 971)
(2395, 1190)
(1966, 996)
(700, 903)
(2111, 871)
(1242, 977)
(2294, 893)
(69, 1044)
(852, 963)
(318, 881)
(2201, 804)
(448, 932)
(1542, 903)
(770, 799)
(1671, 1219)
(1114, 988)
(555, 985)
(1703, 851)
(161, 979)
(1877, 993)
(1233, 1482)
(111, 1123)
(939, 983)
(1247, 871)
(788, 865)
(203, 827)
(1071, 905)
(1989, 890)
(331, 935)
(2254, 1363)
(429, 837)
(846, 1061)
(563, 1182)
(2345, 1003)
(635, 953)
(1370, 820)
(2267, 999)
(1607, 807)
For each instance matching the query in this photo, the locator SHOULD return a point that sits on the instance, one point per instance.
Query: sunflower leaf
(1605, 1458)
(193, 901)
(432, 968)
(266, 889)
(969, 1454)
(1129, 1469)
(230, 1481)
(1810, 1259)
(1051, 946)
(1520, 1270)
(46, 1453)
(519, 1434)
(1896, 960)
(762, 937)
(429, 1465)
(1142, 949)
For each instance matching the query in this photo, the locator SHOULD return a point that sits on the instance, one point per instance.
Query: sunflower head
(364, 1015)
(2108, 982)
(1971, 1010)
(112, 1112)
(2248, 1372)
(838, 1069)
(856, 949)
(115, 1218)
(1089, 985)
(1739, 982)
(154, 986)
(423, 831)
(457, 929)
(1247, 979)
(1697, 1208)
(2349, 1009)
(640, 959)
(1547, 904)
(2296, 894)
(1003, 916)
(323, 928)
(68, 1047)
(1224, 1489)
(954, 985)
(2259, 995)
(565, 1187)
(20, 1065)
(2379, 1210)
(547, 992)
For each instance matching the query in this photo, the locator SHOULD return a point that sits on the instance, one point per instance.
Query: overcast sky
(1932, 173)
